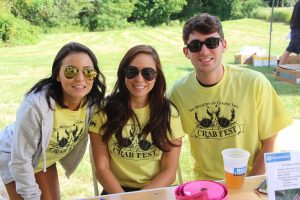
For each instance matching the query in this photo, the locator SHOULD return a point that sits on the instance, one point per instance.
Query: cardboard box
(263, 61)
(293, 59)
(243, 59)
(289, 73)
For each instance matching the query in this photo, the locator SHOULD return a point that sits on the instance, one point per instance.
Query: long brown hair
(119, 111)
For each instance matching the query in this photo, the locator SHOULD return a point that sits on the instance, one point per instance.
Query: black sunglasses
(71, 71)
(148, 73)
(196, 45)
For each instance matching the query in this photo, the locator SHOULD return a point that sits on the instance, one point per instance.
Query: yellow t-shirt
(138, 162)
(240, 111)
(67, 131)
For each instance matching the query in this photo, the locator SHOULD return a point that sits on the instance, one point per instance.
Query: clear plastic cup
(235, 166)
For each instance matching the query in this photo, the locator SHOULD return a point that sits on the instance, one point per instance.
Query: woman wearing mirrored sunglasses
(136, 140)
(51, 125)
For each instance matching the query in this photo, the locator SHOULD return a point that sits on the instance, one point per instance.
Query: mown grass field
(22, 66)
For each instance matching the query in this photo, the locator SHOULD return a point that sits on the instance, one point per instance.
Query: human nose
(79, 75)
(204, 49)
(139, 76)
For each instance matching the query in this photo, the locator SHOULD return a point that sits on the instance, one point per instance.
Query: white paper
(283, 175)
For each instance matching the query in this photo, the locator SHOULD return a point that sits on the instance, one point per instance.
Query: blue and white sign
(283, 174)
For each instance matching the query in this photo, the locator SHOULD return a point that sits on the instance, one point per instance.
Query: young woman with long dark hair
(136, 138)
(51, 125)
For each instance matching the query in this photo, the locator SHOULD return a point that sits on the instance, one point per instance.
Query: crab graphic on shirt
(66, 140)
(135, 146)
(215, 122)
(215, 118)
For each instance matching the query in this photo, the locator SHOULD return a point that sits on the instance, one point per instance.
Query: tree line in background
(21, 21)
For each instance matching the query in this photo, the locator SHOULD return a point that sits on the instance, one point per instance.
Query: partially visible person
(136, 138)
(294, 45)
(51, 125)
(224, 106)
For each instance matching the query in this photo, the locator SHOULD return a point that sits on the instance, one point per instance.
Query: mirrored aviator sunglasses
(70, 72)
(196, 45)
(148, 73)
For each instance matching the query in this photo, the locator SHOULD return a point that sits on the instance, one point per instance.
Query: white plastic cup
(235, 166)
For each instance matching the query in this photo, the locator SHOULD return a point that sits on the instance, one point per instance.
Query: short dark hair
(55, 90)
(203, 23)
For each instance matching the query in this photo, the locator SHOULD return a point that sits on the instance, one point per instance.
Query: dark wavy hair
(54, 89)
(203, 23)
(119, 111)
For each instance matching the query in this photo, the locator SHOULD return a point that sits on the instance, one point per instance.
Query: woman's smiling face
(139, 87)
(75, 89)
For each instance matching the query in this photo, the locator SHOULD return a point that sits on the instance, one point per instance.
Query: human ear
(186, 52)
(224, 44)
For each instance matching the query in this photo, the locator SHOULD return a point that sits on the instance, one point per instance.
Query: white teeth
(79, 86)
(140, 86)
(205, 59)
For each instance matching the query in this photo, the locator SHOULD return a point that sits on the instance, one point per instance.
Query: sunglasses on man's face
(148, 73)
(196, 45)
(71, 71)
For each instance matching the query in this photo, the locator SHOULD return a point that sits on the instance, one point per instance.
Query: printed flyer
(283, 175)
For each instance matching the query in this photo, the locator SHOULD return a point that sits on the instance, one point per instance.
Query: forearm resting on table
(259, 165)
(108, 181)
(101, 160)
(164, 179)
(169, 164)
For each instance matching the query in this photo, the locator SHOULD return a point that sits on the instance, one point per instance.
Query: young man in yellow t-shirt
(224, 107)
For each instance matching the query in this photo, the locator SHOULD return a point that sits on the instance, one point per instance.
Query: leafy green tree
(65, 12)
(156, 12)
(16, 31)
(4, 6)
(47, 13)
(35, 11)
(224, 9)
(106, 14)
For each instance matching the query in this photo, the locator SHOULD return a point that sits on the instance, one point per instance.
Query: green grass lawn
(22, 66)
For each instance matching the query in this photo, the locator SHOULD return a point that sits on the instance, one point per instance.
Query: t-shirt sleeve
(272, 115)
(176, 126)
(171, 94)
(98, 119)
